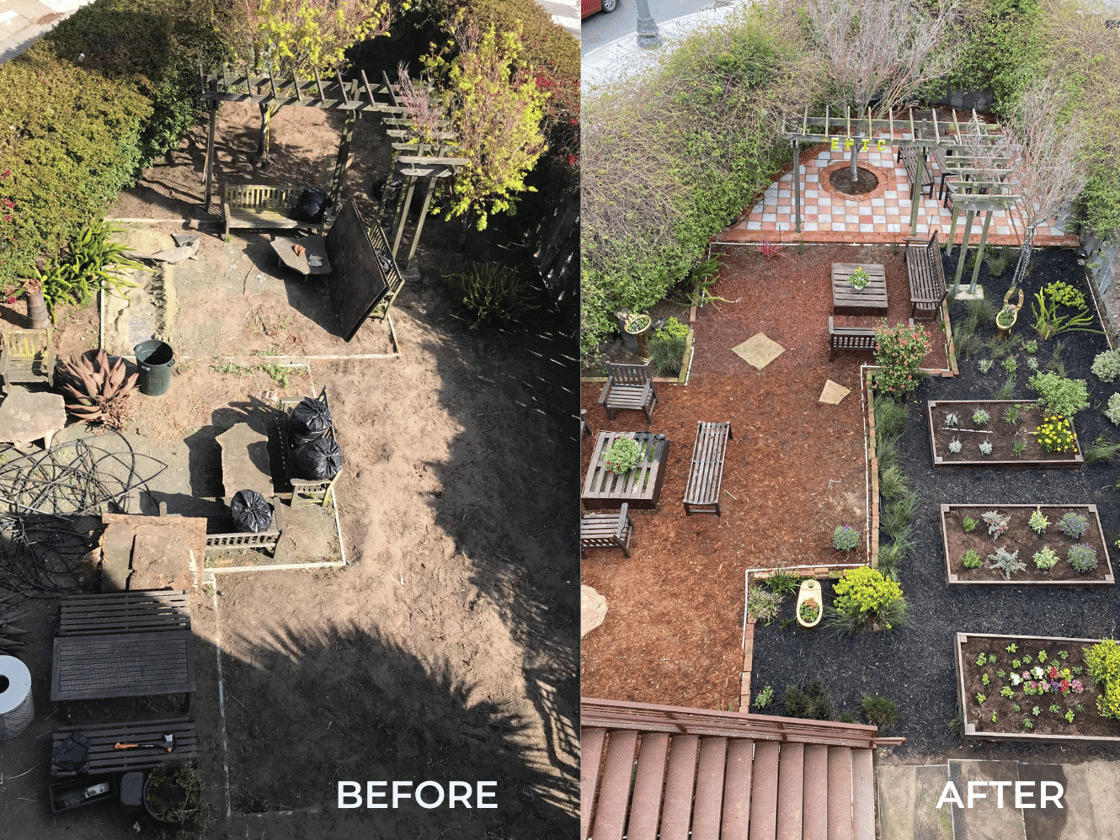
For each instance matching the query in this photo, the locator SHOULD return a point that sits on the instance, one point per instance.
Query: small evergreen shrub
(1061, 396)
(1082, 557)
(863, 594)
(666, 346)
(880, 711)
(1112, 411)
(808, 701)
(969, 524)
(1106, 366)
(971, 560)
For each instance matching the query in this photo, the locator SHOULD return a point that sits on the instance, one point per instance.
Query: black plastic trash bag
(312, 204)
(70, 755)
(309, 421)
(319, 459)
(250, 511)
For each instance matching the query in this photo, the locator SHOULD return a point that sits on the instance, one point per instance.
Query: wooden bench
(263, 207)
(136, 611)
(909, 155)
(103, 757)
(852, 338)
(304, 490)
(705, 475)
(629, 388)
(606, 530)
(927, 277)
(26, 356)
(233, 540)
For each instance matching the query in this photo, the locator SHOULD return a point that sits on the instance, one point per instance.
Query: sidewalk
(22, 21)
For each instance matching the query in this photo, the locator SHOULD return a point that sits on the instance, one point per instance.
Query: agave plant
(102, 392)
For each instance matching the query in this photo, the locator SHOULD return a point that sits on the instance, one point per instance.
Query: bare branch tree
(426, 117)
(1048, 169)
(881, 50)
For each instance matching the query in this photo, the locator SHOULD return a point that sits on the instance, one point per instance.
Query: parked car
(590, 7)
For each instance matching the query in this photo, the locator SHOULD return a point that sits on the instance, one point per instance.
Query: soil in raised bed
(1001, 434)
(1086, 722)
(915, 666)
(1019, 536)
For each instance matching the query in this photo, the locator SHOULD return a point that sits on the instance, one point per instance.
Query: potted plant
(638, 326)
(172, 793)
(622, 456)
(859, 279)
(1008, 315)
(809, 604)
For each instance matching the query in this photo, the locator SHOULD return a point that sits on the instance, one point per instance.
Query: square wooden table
(870, 300)
(640, 487)
(96, 667)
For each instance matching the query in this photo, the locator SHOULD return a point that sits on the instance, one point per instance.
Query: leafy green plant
(890, 419)
(879, 711)
(980, 417)
(622, 456)
(90, 263)
(845, 538)
(1038, 522)
(900, 351)
(1055, 298)
(1055, 434)
(1073, 525)
(1006, 390)
(1059, 395)
(971, 560)
(1006, 563)
(1082, 557)
(1103, 663)
(1011, 414)
(863, 595)
(1045, 559)
(997, 523)
(1018, 447)
(1106, 366)
(1100, 449)
(783, 582)
(1112, 411)
(666, 346)
(763, 604)
(809, 701)
(1010, 364)
(764, 698)
(985, 365)
(491, 295)
(897, 514)
(892, 482)
(969, 524)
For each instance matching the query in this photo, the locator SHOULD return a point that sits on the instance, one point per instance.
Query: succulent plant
(101, 392)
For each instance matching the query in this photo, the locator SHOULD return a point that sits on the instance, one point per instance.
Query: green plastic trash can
(155, 360)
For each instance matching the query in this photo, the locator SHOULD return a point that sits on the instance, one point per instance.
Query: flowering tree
(900, 353)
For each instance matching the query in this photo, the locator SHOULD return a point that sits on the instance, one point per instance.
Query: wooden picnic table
(870, 300)
(640, 487)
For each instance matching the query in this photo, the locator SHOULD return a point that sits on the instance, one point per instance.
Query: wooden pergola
(958, 146)
(353, 96)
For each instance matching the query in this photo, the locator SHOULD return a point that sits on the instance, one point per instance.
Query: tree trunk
(852, 169)
(37, 306)
(1024, 257)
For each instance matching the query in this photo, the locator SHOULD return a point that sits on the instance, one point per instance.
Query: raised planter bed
(1019, 536)
(1001, 434)
(1087, 725)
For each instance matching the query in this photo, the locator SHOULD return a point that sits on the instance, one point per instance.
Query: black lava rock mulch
(914, 667)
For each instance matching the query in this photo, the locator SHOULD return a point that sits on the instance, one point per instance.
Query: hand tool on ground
(168, 744)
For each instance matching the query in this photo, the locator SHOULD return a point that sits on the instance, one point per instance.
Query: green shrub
(622, 456)
(899, 354)
(1103, 662)
(845, 538)
(1045, 559)
(783, 582)
(1061, 396)
(763, 604)
(808, 701)
(879, 711)
(1106, 366)
(1112, 411)
(864, 594)
(1082, 557)
(491, 295)
(666, 346)
(971, 560)
(764, 697)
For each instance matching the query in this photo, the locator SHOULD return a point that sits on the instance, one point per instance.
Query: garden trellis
(978, 161)
(412, 160)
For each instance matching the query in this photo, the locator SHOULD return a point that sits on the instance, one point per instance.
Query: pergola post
(403, 214)
(916, 191)
(796, 187)
(343, 159)
(209, 176)
(428, 190)
(964, 248)
(980, 252)
(952, 231)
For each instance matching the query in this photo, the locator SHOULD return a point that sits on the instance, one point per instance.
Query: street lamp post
(648, 36)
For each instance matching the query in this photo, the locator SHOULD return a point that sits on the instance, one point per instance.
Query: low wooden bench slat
(263, 207)
(927, 277)
(606, 530)
(120, 612)
(705, 477)
(104, 758)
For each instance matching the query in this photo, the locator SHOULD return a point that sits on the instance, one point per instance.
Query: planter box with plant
(625, 467)
(1042, 545)
(809, 604)
(1033, 688)
(1010, 434)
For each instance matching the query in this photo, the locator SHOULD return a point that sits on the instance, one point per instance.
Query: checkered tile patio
(883, 218)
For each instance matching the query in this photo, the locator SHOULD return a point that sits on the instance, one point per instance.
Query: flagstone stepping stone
(758, 350)
(833, 393)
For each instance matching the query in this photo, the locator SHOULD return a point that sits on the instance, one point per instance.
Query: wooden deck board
(591, 743)
(791, 791)
(614, 785)
(764, 791)
(676, 815)
(709, 789)
(645, 803)
(737, 790)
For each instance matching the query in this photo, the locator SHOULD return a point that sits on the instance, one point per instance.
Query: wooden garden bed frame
(1071, 462)
(968, 730)
(1089, 510)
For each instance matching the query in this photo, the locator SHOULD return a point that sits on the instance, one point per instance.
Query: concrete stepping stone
(985, 820)
(592, 610)
(833, 393)
(758, 350)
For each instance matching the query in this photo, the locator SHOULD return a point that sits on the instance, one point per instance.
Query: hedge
(84, 109)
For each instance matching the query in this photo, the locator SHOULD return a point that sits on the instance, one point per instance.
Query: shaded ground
(794, 470)
(914, 667)
(446, 649)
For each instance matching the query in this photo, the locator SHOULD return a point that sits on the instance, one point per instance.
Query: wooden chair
(629, 387)
(606, 530)
(26, 356)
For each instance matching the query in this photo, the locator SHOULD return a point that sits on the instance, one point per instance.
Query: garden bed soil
(998, 431)
(1088, 724)
(1023, 538)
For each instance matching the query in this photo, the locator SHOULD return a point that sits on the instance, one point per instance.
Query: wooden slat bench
(909, 157)
(104, 758)
(927, 277)
(705, 475)
(852, 338)
(606, 530)
(263, 207)
(140, 610)
(96, 667)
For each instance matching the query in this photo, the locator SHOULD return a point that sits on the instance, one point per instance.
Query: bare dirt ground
(446, 649)
(795, 468)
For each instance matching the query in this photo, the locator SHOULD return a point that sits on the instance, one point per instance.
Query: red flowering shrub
(900, 353)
